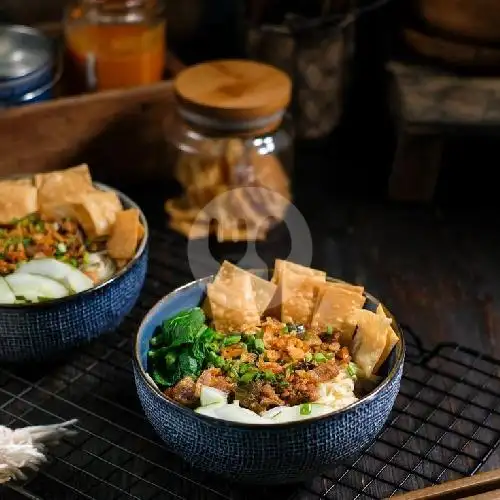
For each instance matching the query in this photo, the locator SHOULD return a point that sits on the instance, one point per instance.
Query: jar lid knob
(233, 96)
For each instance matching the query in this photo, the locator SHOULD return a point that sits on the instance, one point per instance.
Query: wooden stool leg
(416, 167)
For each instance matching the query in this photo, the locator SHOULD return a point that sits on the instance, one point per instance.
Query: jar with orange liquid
(114, 43)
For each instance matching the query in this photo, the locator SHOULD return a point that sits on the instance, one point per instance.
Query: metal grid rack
(445, 423)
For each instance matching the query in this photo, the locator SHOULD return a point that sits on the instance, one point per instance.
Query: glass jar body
(242, 183)
(115, 43)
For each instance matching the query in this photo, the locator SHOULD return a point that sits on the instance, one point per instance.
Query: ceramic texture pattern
(43, 331)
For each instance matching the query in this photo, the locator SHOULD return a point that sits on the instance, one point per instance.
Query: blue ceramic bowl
(46, 329)
(260, 454)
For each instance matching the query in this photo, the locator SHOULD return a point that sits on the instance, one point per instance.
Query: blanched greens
(180, 347)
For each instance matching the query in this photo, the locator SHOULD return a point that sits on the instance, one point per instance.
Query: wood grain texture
(478, 20)
(118, 133)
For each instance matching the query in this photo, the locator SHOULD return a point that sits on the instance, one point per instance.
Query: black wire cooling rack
(445, 424)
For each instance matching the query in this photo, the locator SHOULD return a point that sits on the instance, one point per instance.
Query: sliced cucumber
(34, 287)
(6, 294)
(210, 395)
(70, 277)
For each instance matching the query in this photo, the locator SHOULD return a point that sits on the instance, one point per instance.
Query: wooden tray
(119, 133)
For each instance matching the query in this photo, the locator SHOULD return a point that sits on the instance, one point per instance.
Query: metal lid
(23, 51)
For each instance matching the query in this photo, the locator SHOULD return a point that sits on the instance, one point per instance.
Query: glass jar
(233, 147)
(114, 43)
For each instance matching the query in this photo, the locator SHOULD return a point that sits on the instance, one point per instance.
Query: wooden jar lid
(233, 96)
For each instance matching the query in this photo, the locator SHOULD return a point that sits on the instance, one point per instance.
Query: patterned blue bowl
(46, 329)
(260, 454)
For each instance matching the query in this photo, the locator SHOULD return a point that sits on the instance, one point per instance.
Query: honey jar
(114, 43)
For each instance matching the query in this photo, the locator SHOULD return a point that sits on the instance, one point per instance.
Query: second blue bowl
(36, 332)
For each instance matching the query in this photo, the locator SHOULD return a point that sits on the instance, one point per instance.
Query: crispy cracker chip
(263, 290)
(191, 230)
(346, 286)
(390, 341)
(25, 181)
(140, 233)
(97, 212)
(180, 210)
(298, 296)
(334, 310)
(64, 186)
(369, 342)
(280, 265)
(81, 172)
(122, 243)
(233, 307)
(57, 211)
(16, 201)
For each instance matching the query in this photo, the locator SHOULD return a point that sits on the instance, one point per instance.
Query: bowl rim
(138, 254)
(398, 364)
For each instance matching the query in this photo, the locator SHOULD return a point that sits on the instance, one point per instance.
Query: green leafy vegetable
(181, 347)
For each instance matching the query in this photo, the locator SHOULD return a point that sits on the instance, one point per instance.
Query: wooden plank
(119, 134)
(484, 486)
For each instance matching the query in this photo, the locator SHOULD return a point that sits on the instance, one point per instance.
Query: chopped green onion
(329, 329)
(308, 357)
(27, 241)
(285, 329)
(319, 357)
(259, 345)
(231, 340)
(269, 376)
(61, 248)
(247, 377)
(305, 409)
(352, 370)
(86, 258)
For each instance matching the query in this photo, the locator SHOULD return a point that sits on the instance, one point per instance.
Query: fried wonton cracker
(298, 296)
(179, 209)
(97, 212)
(390, 341)
(370, 340)
(80, 172)
(191, 230)
(334, 310)
(17, 182)
(122, 243)
(16, 201)
(263, 290)
(346, 286)
(280, 265)
(233, 309)
(64, 186)
(57, 211)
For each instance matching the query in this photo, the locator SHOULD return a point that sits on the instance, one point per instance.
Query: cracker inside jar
(238, 197)
(235, 185)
